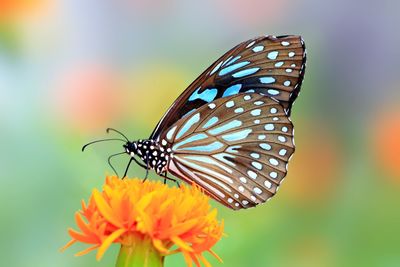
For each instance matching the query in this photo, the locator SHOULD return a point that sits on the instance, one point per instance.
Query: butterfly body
(230, 131)
(153, 154)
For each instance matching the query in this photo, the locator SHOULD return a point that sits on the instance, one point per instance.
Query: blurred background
(71, 68)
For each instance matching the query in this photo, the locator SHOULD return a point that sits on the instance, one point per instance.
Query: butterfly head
(131, 148)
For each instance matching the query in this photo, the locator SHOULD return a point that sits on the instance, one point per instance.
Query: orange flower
(385, 133)
(130, 211)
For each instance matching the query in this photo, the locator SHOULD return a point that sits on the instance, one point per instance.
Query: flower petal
(206, 263)
(188, 259)
(215, 255)
(179, 242)
(86, 251)
(107, 242)
(81, 224)
(105, 209)
(70, 243)
(174, 219)
(157, 243)
(81, 237)
(180, 228)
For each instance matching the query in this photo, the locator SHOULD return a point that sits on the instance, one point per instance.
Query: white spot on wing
(257, 190)
(265, 146)
(261, 137)
(255, 155)
(267, 184)
(257, 165)
(256, 112)
(273, 161)
(258, 48)
(269, 127)
(273, 55)
(252, 174)
(239, 110)
(230, 104)
(282, 138)
(273, 175)
(273, 92)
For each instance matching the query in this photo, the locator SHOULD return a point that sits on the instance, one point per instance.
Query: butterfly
(230, 131)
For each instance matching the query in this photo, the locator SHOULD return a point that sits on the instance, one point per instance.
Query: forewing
(236, 148)
(268, 65)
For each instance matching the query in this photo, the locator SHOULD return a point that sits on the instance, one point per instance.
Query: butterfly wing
(269, 65)
(236, 148)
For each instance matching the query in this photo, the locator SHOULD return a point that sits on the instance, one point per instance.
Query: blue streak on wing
(233, 149)
(194, 119)
(221, 157)
(209, 160)
(210, 122)
(190, 112)
(207, 95)
(195, 137)
(243, 73)
(210, 172)
(171, 132)
(233, 67)
(237, 136)
(201, 159)
(232, 90)
(206, 148)
(225, 127)
(232, 60)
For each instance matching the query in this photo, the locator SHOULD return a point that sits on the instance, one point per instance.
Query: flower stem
(139, 253)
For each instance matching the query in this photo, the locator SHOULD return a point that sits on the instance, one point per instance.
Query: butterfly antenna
(102, 140)
(109, 161)
(114, 130)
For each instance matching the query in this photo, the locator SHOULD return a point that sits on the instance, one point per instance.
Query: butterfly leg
(147, 167)
(164, 174)
(127, 168)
